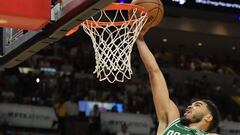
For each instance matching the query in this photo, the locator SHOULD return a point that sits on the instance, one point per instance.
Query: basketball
(155, 11)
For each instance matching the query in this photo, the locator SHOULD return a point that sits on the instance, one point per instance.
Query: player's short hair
(215, 114)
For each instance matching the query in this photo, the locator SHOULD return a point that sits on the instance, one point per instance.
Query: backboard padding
(52, 33)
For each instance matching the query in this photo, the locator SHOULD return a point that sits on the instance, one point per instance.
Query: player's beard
(195, 119)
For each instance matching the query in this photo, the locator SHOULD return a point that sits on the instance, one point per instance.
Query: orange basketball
(155, 11)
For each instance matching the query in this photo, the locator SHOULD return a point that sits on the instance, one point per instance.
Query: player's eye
(197, 104)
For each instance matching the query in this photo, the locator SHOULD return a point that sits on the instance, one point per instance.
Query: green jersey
(177, 128)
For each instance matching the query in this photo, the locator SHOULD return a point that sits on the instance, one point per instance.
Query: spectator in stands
(94, 121)
(206, 65)
(228, 118)
(195, 64)
(7, 95)
(124, 130)
(183, 62)
(92, 95)
(44, 63)
(114, 109)
(61, 113)
(72, 114)
(224, 69)
(71, 107)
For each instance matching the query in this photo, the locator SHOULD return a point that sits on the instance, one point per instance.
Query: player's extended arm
(166, 110)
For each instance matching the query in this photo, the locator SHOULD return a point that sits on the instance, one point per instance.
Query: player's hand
(143, 32)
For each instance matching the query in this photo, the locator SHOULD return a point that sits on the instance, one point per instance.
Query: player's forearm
(147, 57)
(157, 81)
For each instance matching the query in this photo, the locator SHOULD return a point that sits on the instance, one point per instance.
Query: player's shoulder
(164, 127)
(176, 121)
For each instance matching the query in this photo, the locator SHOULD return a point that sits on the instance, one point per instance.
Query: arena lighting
(200, 44)
(165, 40)
(37, 80)
(234, 48)
(26, 70)
(211, 3)
(218, 4)
(47, 69)
(181, 2)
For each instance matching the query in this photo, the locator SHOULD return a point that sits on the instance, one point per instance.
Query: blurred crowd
(68, 78)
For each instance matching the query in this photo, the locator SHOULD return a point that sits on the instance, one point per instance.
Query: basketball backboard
(17, 45)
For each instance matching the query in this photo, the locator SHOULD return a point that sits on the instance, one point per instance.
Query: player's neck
(200, 126)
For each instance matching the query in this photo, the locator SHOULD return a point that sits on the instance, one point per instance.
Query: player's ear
(208, 118)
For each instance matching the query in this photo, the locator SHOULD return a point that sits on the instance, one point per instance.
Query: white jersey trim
(171, 124)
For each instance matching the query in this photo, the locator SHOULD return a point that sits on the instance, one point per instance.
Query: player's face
(196, 111)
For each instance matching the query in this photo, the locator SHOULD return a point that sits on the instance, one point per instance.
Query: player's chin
(185, 120)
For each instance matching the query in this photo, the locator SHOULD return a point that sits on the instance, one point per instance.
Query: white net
(113, 41)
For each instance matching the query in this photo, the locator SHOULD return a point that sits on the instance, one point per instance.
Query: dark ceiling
(189, 41)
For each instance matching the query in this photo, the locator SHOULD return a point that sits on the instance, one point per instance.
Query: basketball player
(199, 118)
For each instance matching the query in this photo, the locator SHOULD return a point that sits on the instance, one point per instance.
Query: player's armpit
(163, 123)
(173, 112)
(165, 118)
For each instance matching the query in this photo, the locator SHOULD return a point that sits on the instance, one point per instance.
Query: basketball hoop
(113, 36)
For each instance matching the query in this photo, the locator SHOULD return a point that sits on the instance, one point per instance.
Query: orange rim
(116, 6)
(73, 30)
